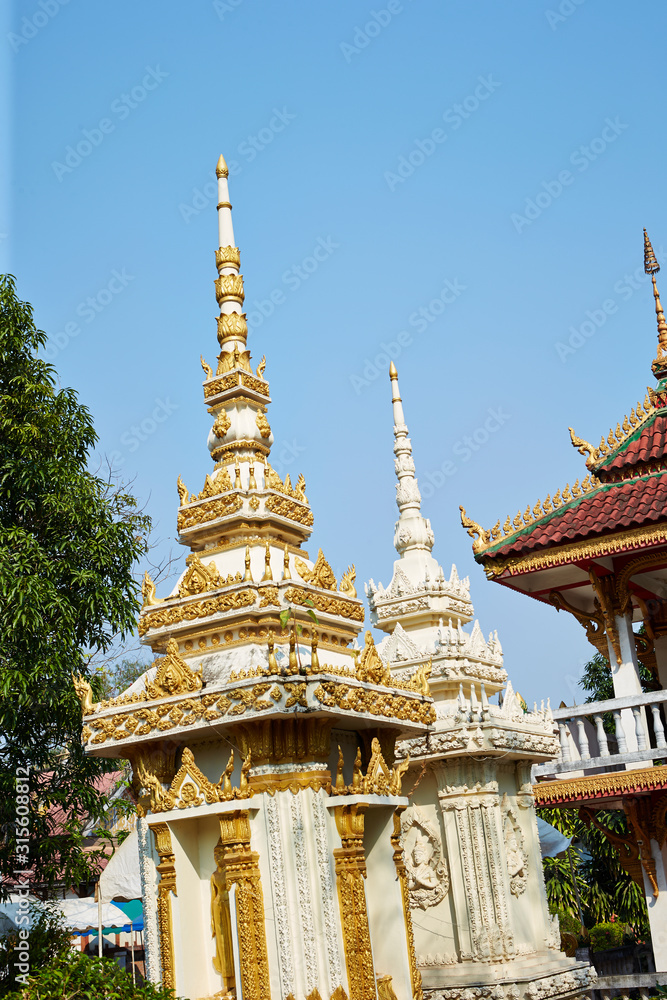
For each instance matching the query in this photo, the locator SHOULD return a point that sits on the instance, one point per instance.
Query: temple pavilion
(319, 818)
(598, 550)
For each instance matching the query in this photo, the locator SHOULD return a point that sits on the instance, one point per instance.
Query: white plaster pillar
(657, 907)
(661, 659)
(625, 676)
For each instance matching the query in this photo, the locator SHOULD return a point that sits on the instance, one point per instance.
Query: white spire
(413, 532)
(225, 228)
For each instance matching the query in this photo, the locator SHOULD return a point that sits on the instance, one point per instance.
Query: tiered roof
(620, 503)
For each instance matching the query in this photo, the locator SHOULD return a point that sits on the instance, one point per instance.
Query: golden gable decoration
(173, 675)
(199, 577)
(615, 437)
(321, 575)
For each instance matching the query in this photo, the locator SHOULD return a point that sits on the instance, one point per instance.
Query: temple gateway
(322, 818)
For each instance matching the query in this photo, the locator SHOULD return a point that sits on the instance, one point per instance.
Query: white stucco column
(657, 907)
(625, 676)
(661, 659)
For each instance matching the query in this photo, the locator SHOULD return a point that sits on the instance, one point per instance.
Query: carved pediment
(173, 675)
(199, 577)
(399, 646)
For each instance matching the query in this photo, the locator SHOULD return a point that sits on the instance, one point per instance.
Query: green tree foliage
(76, 975)
(47, 940)
(68, 546)
(115, 677)
(606, 890)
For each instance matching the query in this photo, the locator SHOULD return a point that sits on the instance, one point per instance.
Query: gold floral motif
(269, 597)
(232, 325)
(227, 257)
(399, 863)
(289, 509)
(333, 605)
(321, 575)
(350, 868)
(263, 425)
(220, 507)
(257, 385)
(388, 705)
(213, 487)
(222, 424)
(195, 609)
(167, 872)
(285, 741)
(221, 384)
(229, 287)
(240, 865)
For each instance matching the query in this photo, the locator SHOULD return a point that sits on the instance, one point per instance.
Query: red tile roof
(609, 508)
(647, 444)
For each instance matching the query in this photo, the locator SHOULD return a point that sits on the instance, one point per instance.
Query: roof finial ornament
(652, 267)
(412, 530)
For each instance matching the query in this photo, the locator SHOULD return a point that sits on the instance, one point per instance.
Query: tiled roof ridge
(523, 523)
(640, 417)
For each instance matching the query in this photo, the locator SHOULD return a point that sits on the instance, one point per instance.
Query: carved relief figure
(428, 877)
(221, 922)
(516, 857)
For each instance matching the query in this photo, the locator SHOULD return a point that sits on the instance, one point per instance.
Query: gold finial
(221, 169)
(392, 371)
(652, 267)
(237, 476)
(293, 666)
(314, 658)
(252, 482)
(268, 575)
(286, 573)
(248, 575)
(273, 663)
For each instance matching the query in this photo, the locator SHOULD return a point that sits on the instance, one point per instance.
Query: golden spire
(652, 267)
(221, 169)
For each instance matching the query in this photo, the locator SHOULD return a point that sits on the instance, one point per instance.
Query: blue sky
(479, 174)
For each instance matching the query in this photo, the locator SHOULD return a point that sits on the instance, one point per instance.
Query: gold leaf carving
(199, 577)
(188, 517)
(196, 609)
(263, 424)
(321, 575)
(334, 605)
(173, 675)
(346, 585)
(289, 509)
(222, 424)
